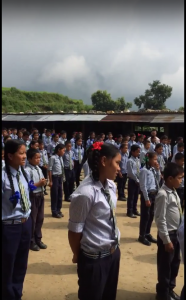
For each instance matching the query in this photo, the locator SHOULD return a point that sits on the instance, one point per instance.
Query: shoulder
(111, 185)
(4, 174)
(85, 191)
(162, 195)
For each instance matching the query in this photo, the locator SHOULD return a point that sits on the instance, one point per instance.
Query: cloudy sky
(78, 48)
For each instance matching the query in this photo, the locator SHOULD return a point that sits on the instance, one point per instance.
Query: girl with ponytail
(93, 232)
(16, 221)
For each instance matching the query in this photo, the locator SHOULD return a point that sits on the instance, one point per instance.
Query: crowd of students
(152, 168)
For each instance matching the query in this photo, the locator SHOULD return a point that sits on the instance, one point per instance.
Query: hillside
(14, 100)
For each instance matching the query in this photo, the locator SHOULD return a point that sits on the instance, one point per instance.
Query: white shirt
(181, 237)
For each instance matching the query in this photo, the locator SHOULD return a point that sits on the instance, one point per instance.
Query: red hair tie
(144, 136)
(97, 146)
(139, 134)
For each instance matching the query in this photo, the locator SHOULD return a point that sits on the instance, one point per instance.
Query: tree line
(14, 100)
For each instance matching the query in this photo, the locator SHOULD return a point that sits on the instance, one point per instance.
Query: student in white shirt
(178, 140)
(110, 139)
(93, 232)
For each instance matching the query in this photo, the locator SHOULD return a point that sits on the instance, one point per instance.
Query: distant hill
(14, 100)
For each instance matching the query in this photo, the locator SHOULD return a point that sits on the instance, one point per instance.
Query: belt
(37, 194)
(173, 231)
(100, 254)
(58, 175)
(68, 169)
(18, 221)
(152, 192)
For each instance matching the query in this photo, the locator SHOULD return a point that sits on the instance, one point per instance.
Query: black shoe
(122, 199)
(150, 238)
(131, 215)
(58, 216)
(174, 295)
(45, 193)
(34, 247)
(144, 241)
(168, 297)
(41, 245)
(61, 214)
(136, 213)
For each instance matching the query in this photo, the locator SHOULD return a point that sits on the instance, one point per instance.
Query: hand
(148, 203)
(75, 259)
(50, 184)
(42, 181)
(169, 247)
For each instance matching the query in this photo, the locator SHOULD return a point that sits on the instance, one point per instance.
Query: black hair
(173, 170)
(14, 129)
(119, 136)
(35, 132)
(132, 134)
(26, 133)
(86, 154)
(149, 156)
(3, 129)
(77, 139)
(6, 137)
(58, 147)
(67, 142)
(179, 139)
(133, 149)
(40, 142)
(109, 133)
(153, 130)
(32, 143)
(107, 150)
(62, 132)
(179, 156)
(31, 153)
(180, 145)
(54, 135)
(123, 145)
(158, 146)
(146, 142)
(164, 137)
(102, 134)
(11, 147)
(140, 136)
(48, 130)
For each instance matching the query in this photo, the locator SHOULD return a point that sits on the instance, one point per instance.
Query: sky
(77, 48)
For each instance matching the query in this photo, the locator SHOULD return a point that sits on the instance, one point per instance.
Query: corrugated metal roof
(128, 117)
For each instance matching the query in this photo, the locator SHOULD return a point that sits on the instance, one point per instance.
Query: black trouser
(180, 193)
(182, 293)
(121, 181)
(69, 183)
(45, 173)
(77, 170)
(98, 278)
(56, 194)
(147, 215)
(15, 250)
(168, 265)
(133, 192)
(37, 215)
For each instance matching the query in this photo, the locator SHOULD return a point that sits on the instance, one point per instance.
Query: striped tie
(79, 156)
(113, 215)
(38, 172)
(44, 160)
(70, 161)
(137, 167)
(156, 180)
(24, 200)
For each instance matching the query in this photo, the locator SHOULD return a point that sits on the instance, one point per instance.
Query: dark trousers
(69, 183)
(147, 215)
(180, 193)
(121, 185)
(56, 194)
(15, 249)
(182, 293)
(77, 170)
(168, 265)
(45, 173)
(133, 192)
(98, 278)
(37, 214)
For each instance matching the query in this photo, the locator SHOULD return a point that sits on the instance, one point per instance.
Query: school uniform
(175, 149)
(181, 242)
(46, 141)
(3, 163)
(89, 143)
(56, 166)
(162, 164)
(86, 169)
(133, 170)
(14, 136)
(142, 155)
(62, 141)
(73, 140)
(141, 145)
(152, 147)
(27, 144)
(165, 152)
(168, 219)
(130, 143)
(78, 157)
(173, 159)
(121, 182)
(16, 233)
(117, 145)
(180, 192)
(92, 213)
(44, 162)
(51, 147)
(37, 201)
(149, 185)
(110, 142)
(69, 173)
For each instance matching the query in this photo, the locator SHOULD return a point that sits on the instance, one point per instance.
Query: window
(161, 129)
(149, 129)
(138, 128)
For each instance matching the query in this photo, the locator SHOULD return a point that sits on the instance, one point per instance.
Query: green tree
(101, 100)
(120, 104)
(181, 108)
(155, 97)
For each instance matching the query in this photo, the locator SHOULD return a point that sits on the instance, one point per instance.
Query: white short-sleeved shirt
(90, 214)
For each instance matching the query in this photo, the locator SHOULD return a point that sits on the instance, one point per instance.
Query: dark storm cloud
(76, 48)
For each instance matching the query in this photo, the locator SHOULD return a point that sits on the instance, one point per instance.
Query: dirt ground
(51, 274)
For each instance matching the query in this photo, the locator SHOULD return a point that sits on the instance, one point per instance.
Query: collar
(31, 166)
(98, 185)
(167, 189)
(14, 171)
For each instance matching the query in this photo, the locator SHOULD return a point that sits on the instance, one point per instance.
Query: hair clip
(97, 146)
(14, 198)
(139, 134)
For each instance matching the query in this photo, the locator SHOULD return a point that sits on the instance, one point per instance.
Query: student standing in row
(63, 137)
(168, 217)
(51, 147)
(144, 151)
(131, 141)
(68, 159)
(16, 221)
(149, 179)
(91, 139)
(118, 141)
(43, 164)
(180, 149)
(179, 140)
(47, 138)
(78, 157)
(165, 152)
(93, 232)
(179, 160)
(122, 174)
(56, 176)
(110, 138)
(36, 198)
(133, 170)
